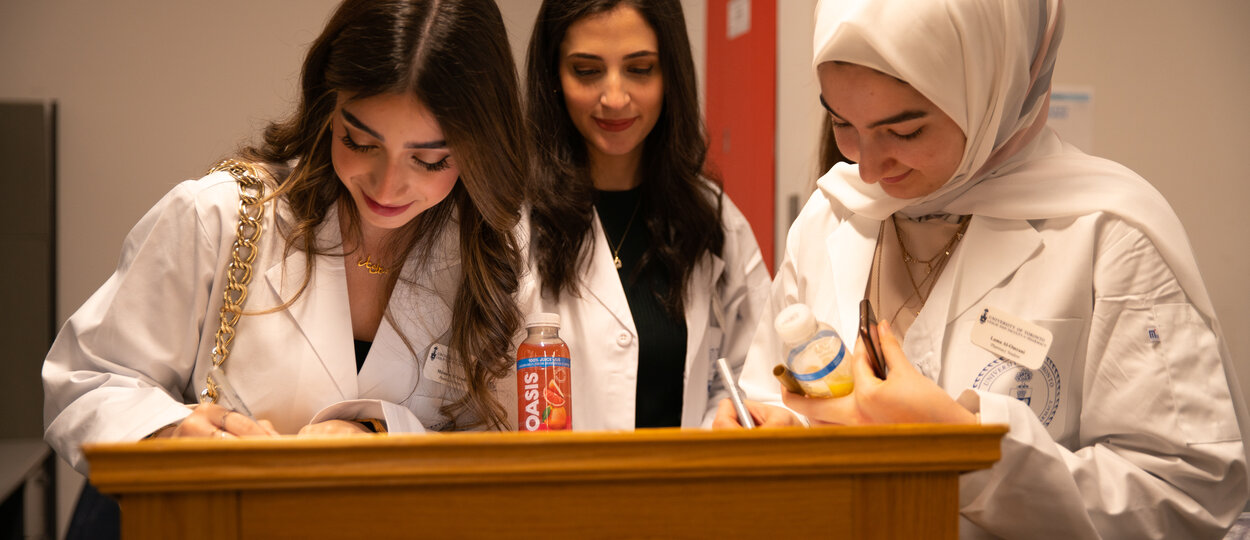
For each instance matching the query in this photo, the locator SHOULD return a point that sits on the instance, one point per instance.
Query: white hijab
(987, 64)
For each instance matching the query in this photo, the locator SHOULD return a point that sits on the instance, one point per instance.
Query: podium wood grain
(852, 482)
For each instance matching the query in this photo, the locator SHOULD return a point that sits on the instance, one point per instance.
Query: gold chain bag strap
(239, 271)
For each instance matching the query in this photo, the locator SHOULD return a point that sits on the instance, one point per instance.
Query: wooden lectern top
(858, 482)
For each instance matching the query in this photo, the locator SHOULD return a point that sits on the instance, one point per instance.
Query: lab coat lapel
(991, 251)
(603, 283)
(420, 309)
(699, 322)
(321, 313)
(850, 249)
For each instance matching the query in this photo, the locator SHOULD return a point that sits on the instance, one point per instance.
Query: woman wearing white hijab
(962, 218)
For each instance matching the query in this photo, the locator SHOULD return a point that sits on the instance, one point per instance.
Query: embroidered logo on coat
(1039, 389)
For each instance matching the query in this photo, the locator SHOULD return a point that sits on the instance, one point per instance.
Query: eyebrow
(898, 118)
(351, 119)
(630, 56)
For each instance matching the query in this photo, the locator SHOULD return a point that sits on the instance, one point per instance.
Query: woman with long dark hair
(654, 271)
(380, 292)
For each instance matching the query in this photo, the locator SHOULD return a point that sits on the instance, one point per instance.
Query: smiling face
(389, 152)
(610, 76)
(897, 136)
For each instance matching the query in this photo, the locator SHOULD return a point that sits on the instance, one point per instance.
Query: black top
(661, 338)
(362, 352)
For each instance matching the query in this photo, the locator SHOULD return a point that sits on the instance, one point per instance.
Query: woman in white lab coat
(1019, 281)
(386, 240)
(655, 273)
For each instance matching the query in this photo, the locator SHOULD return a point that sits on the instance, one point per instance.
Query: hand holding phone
(872, 343)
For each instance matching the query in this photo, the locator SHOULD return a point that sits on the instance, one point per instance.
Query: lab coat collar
(991, 251)
(322, 313)
(418, 315)
(602, 282)
(319, 311)
(855, 239)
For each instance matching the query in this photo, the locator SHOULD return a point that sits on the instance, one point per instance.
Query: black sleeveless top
(661, 338)
(362, 352)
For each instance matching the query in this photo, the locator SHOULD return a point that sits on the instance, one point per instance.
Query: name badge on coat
(1012, 338)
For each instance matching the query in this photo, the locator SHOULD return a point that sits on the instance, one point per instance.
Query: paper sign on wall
(1072, 115)
(739, 19)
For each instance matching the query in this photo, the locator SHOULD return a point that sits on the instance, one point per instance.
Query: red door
(741, 108)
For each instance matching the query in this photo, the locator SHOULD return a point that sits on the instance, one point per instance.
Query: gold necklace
(372, 267)
(936, 262)
(616, 258)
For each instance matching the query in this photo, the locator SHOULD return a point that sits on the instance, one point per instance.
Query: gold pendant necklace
(616, 253)
(372, 267)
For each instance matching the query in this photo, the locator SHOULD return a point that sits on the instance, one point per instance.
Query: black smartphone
(868, 333)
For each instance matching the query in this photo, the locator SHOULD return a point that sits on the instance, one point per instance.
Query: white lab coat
(603, 341)
(1128, 429)
(131, 358)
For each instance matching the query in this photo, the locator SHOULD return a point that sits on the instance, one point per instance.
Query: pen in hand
(744, 416)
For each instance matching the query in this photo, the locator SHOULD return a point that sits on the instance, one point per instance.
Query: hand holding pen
(218, 422)
(737, 412)
(228, 419)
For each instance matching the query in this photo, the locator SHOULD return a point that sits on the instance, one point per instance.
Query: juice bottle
(814, 353)
(543, 377)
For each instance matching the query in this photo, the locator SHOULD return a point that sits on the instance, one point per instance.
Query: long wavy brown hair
(685, 209)
(453, 55)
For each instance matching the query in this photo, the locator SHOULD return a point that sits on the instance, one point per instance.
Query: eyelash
(900, 136)
(908, 136)
(440, 165)
(351, 145)
(634, 71)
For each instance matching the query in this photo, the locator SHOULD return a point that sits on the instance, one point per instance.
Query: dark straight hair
(684, 200)
(453, 56)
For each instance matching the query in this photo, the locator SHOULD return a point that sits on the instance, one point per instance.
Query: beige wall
(150, 93)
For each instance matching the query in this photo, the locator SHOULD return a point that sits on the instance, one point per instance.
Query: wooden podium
(850, 482)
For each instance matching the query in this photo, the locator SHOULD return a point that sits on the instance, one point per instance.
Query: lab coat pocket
(1048, 391)
(1188, 349)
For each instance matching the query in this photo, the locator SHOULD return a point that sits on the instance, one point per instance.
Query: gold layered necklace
(933, 266)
